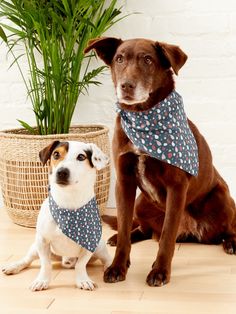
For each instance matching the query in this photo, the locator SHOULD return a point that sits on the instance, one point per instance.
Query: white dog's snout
(63, 175)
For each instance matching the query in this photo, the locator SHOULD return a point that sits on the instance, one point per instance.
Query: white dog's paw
(69, 262)
(86, 284)
(39, 284)
(12, 269)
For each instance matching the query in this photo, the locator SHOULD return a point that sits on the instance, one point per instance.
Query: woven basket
(24, 181)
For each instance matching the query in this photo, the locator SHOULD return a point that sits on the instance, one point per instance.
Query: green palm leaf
(54, 34)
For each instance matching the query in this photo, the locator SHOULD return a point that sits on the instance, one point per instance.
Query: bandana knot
(82, 225)
(163, 132)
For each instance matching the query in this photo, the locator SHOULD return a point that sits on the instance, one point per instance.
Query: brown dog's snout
(63, 175)
(128, 86)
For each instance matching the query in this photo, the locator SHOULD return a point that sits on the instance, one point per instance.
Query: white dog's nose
(63, 175)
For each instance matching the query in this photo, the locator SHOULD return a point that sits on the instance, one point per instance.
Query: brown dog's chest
(152, 175)
(148, 181)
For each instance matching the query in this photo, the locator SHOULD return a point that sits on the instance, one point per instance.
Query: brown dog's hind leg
(143, 227)
(228, 205)
(150, 216)
(229, 244)
(229, 239)
(222, 210)
(136, 236)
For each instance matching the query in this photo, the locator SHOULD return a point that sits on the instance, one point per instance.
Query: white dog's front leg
(82, 279)
(16, 267)
(102, 254)
(44, 276)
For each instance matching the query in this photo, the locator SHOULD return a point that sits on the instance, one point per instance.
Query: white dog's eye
(56, 155)
(81, 157)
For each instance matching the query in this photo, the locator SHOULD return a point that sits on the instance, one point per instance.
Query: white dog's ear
(98, 159)
(45, 153)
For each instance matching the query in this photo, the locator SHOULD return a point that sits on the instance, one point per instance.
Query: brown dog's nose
(128, 86)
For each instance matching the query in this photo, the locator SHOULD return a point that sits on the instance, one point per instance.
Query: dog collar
(163, 133)
(82, 225)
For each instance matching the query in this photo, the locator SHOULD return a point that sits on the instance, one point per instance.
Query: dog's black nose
(63, 175)
(128, 86)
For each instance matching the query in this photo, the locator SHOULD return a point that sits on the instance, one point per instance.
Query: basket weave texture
(24, 181)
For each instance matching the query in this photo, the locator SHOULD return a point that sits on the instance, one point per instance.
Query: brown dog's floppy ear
(105, 47)
(46, 153)
(173, 55)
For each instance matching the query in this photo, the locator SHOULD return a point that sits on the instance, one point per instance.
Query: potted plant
(53, 35)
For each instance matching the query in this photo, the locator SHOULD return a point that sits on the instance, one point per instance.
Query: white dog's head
(73, 165)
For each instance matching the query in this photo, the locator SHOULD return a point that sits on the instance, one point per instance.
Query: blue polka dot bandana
(163, 133)
(82, 225)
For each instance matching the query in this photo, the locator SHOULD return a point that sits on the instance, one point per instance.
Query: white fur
(49, 240)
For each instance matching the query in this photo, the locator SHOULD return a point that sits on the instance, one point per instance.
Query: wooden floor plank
(203, 281)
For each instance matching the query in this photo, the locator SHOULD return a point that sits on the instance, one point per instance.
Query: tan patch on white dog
(59, 154)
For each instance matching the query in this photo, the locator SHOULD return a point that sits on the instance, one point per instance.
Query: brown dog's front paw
(114, 274)
(157, 278)
(112, 241)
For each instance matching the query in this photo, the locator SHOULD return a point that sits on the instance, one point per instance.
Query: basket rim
(11, 133)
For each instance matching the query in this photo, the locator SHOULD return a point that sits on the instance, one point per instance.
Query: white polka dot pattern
(163, 133)
(82, 225)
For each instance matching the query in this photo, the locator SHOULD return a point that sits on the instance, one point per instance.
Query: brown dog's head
(141, 68)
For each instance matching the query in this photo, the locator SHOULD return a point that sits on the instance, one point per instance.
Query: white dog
(68, 223)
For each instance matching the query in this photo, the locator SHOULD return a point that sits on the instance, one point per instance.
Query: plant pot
(24, 181)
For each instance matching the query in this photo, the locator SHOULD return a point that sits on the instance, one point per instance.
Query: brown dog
(176, 203)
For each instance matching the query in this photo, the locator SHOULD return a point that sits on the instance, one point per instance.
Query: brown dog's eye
(119, 59)
(148, 60)
(56, 155)
(81, 157)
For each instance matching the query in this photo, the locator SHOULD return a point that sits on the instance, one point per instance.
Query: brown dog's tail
(112, 222)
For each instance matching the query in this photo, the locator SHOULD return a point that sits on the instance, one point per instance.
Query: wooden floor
(203, 281)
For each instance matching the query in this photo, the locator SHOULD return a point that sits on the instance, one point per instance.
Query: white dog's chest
(61, 245)
(64, 246)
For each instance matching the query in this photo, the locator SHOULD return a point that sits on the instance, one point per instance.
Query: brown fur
(59, 154)
(56, 152)
(173, 205)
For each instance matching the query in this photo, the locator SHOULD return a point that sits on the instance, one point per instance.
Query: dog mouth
(129, 100)
(132, 97)
(62, 183)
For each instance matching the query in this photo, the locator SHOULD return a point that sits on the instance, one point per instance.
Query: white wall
(206, 31)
